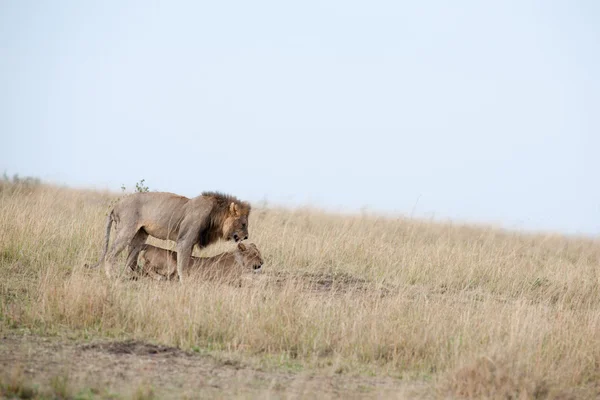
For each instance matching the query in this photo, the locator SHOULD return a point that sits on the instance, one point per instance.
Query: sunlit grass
(472, 310)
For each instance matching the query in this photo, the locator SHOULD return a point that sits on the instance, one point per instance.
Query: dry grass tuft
(15, 386)
(486, 378)
(345, 293)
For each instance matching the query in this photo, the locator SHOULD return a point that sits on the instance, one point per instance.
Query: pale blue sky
(469, 110)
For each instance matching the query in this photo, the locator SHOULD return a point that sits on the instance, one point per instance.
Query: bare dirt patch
(335, 283)
(133, 347)
(122, 368)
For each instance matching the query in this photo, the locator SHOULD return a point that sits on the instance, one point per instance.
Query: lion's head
(249, 256)
(235, 225)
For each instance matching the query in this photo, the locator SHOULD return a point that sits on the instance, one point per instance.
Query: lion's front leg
(189, 234)
(184, 252)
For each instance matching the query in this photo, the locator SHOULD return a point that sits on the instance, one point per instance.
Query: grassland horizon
(468, 311)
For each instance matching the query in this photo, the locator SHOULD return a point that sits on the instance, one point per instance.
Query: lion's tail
(109, 221)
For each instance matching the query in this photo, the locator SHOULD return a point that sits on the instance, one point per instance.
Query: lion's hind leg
(135, 246)
(123, 237)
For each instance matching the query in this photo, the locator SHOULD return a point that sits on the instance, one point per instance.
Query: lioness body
(161, 264)
(201, 220)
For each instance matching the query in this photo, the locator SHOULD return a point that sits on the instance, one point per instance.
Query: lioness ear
(242, 246)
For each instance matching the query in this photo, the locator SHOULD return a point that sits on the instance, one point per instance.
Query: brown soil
(131, 367)
(323, 282)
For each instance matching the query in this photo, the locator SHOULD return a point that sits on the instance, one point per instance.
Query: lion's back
(159, 213)
(149, 203)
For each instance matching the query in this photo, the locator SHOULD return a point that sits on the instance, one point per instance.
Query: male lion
(202, 220)
(161, 264)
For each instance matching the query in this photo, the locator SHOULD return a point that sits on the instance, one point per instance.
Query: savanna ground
(347, 306)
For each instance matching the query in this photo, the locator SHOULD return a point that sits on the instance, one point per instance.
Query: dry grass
(478, 312)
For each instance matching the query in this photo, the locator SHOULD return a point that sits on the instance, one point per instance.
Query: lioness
(202, 220)
(161, 264)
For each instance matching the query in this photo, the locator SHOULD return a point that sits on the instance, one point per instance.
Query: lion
(202, 220)
(161, 264)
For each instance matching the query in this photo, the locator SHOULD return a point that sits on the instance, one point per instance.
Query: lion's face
(235, 226)
(251, 257)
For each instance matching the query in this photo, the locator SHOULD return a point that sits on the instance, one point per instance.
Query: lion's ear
(232, 208)
(242, 246)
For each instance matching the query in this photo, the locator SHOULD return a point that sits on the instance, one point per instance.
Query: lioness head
(235, 226)
(250, 257)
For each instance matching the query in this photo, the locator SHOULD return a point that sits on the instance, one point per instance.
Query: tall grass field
(469, 312)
